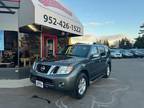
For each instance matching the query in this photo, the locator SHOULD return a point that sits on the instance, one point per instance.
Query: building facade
(37, 29)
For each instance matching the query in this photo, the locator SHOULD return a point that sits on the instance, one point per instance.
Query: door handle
(100, 60)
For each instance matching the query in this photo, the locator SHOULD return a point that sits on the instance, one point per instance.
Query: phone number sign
(58, 20)
(61, 23)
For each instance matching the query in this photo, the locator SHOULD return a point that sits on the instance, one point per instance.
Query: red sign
(55, 4)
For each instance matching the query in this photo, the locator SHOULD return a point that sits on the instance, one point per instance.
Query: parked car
(137, 53)
(116, 54)
(142, 52)
(73, 69)
(127, 54)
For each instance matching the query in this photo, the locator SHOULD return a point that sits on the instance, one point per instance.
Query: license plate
(39, 84)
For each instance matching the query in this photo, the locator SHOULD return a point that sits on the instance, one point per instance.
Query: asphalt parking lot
(124, 89)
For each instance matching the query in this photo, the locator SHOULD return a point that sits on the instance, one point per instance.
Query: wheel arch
(87, 74)
(109, 63)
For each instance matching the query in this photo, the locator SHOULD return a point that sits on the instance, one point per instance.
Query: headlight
(65, 70)
(34, 66)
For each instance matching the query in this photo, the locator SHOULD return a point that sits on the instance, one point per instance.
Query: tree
(139, 43)
(106, 42)
(141, 30)
(125, 44)
(99, 42)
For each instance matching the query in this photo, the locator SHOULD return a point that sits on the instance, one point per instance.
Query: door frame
(46, 36)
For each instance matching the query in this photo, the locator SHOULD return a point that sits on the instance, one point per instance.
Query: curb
(15, 83)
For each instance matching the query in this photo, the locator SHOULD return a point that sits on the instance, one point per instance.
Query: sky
(108, 17)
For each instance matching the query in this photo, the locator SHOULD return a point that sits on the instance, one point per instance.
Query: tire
(83, 80)
(108, 71)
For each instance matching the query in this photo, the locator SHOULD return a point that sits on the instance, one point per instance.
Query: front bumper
(116, 56)
(136, 55)
(59, 82)
(128, 56)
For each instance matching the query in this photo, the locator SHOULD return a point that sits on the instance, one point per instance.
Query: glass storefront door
(49, 46)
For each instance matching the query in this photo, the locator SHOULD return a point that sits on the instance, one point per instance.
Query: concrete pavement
(15, 83)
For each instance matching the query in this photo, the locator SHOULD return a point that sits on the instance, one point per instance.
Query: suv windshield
(76, 50)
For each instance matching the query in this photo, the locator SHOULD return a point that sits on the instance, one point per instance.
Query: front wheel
(80, 86)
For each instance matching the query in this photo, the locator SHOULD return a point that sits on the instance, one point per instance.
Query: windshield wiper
(74, 55)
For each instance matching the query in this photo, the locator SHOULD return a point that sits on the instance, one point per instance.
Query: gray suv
(73, 68)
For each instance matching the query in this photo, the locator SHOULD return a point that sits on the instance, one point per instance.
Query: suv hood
(62, 60)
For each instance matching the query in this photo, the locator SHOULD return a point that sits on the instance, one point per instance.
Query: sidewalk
(15, 83)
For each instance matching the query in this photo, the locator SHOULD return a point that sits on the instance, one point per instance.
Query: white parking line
(113, 94)
(61, 103)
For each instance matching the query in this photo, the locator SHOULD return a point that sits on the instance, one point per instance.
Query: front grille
(43, 68)
(46, 81)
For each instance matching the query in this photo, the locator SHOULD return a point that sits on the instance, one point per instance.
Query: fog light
(61, 84)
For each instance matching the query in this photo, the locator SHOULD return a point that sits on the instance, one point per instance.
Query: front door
(94, 63)
(103, 59)
(49, 47)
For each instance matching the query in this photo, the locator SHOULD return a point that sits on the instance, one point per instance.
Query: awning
(49, 13)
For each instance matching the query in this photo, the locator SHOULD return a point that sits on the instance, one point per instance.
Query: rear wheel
(108, 71)
(80, 86)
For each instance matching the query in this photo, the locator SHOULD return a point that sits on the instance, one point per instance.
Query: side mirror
(103, 54)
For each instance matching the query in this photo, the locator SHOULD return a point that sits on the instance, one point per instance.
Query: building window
(9, 55)
(29, 49)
